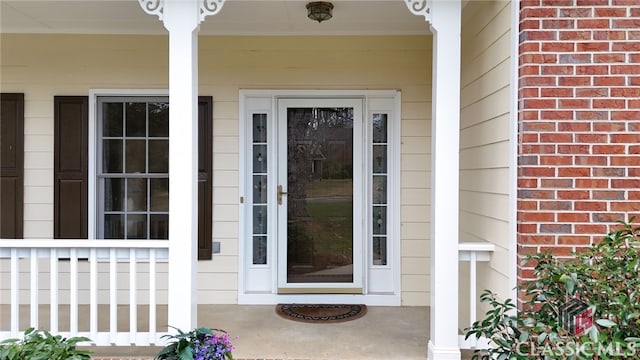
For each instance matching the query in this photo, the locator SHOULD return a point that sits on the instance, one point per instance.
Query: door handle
(280, 193)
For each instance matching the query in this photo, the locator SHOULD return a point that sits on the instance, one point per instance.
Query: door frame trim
(265, 100)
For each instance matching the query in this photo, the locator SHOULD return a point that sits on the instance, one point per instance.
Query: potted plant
(198, 344)
(41, 345)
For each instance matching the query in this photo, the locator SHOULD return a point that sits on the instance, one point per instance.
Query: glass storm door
(319, 200)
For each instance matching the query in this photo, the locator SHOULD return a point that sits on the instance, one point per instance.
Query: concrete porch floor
(383, 333)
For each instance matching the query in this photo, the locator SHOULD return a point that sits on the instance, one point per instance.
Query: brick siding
(579, 122)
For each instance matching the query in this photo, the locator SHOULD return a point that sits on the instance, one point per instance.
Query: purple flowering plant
(198, 344)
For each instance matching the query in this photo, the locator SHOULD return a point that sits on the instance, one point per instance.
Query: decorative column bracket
(210, 7)
(153, 7)
(419, 7)
(156, 7)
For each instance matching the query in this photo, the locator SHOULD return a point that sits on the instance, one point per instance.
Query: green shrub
(41, 345)
(605, 276)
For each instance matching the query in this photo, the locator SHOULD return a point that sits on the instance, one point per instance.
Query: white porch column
(445, 152)
(445, 20)
(182, 19)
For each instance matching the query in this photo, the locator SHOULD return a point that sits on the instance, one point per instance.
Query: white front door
(319, 202)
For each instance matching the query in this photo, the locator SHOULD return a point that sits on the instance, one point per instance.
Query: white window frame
(375, 101)
(94, 161)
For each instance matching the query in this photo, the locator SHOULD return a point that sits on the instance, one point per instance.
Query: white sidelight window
(379, 193)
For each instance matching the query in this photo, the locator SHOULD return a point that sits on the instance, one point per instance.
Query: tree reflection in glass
(320, 200)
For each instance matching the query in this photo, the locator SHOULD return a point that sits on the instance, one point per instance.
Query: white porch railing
(473, 252)
(101, 278)
(98, 279)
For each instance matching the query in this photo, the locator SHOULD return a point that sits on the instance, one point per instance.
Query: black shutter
(71, 119)
(205, 161)
(11, 165)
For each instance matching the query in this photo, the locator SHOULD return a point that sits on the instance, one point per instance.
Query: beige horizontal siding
(484, 141)
(77, 63)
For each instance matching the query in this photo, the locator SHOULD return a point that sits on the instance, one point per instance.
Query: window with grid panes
(133, 167)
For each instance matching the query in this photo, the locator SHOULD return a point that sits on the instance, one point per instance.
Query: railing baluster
(472, 291)
(53, 291)
(133, 303)
(152, 296)
(33, 317)
(73, 292)
(113, 296)
(15, 293)
(93, 293)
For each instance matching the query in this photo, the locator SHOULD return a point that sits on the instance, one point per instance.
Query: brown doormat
(321, 313)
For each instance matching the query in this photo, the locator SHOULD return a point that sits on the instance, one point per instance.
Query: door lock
(280, 193)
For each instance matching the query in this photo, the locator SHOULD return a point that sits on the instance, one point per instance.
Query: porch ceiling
(237, 17)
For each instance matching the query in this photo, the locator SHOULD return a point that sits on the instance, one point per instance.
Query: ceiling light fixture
(320, 10)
